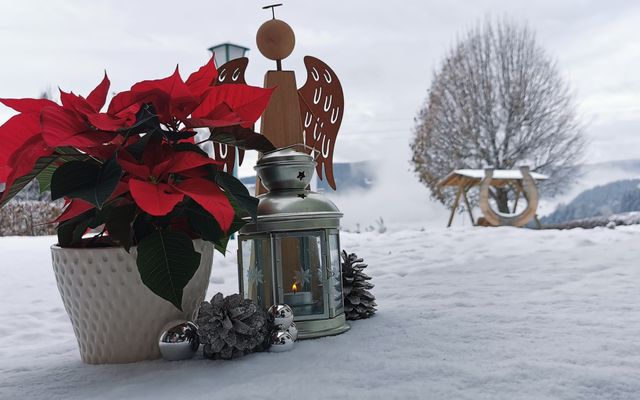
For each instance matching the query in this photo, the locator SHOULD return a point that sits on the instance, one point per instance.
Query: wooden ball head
(275, 39)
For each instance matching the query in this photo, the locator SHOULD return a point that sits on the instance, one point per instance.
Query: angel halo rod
(272, 7)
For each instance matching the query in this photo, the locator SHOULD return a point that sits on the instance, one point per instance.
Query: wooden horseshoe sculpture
(529, 190)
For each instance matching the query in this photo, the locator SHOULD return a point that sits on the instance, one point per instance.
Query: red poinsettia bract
(174, 100)
(166, 176)
(42, 125)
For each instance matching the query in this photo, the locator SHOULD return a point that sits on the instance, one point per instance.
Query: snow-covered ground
(465, 313)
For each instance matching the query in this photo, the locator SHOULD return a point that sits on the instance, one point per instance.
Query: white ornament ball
(293, 331)
(281, 341)
(282, 316)
(180, 341)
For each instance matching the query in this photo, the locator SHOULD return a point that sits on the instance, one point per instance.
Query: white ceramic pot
(115, 317)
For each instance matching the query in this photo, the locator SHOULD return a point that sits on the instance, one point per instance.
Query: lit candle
(296, 299)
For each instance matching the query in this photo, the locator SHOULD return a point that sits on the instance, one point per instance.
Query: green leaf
(208, 228)
(66, 150)
(110, 175)
(67, 154)
(70, 232)
(119, 222)
(143, 225)
(237, 224)
(184, 146)
(41, 165)
(138, 147)
(147, 121)
(174, 136)
(242, 138)
(204, 224)
(72, 176)
(238, 192)
(86, 180)
(167, 261)
(148, 125)
(235, 227)
(65, 233)
(44, 178)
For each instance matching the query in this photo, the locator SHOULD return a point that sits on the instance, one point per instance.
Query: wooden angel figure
(310, 115)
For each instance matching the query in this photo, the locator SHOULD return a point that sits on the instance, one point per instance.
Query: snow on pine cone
(359, 303)
(230, 327)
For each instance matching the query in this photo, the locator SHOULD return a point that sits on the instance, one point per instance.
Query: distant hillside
(601, 201)
(348, 176)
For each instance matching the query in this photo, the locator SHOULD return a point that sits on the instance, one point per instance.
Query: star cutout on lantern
(302, 195)
(301, 175)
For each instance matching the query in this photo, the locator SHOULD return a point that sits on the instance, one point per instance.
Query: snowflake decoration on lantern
(255, 276)
(302, 276)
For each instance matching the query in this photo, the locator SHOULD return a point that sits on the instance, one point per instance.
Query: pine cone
(359, 303)
(232, 327)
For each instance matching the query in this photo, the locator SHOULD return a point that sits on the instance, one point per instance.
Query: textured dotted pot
(115, 317)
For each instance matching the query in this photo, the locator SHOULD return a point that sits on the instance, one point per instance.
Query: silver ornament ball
(293, 331)
(281, 341)
(180, 341)
(282, 316)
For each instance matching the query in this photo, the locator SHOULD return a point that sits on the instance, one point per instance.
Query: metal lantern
(291, 254)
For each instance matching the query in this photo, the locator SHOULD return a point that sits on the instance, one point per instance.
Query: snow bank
(481, 313)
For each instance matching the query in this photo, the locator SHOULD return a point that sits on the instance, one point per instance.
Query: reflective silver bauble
(179, 341)
(282, 316)
(281, 341)
(293, 331)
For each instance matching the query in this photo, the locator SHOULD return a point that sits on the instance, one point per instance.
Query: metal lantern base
(322, 327)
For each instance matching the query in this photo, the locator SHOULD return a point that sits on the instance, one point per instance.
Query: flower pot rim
(57, 246)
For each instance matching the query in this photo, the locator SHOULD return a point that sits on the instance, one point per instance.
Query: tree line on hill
(601, 201)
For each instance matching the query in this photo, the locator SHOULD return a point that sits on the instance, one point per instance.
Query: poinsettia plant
(133, 174)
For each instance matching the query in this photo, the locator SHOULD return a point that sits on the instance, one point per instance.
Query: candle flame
(294, 288)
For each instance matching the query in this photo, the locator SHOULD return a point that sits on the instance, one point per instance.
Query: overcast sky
(383, 52)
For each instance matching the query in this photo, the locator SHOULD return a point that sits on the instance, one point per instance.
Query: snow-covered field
(473, 313)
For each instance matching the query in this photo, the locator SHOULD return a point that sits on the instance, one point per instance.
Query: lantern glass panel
(302, 260)
(335, 279)
(257, 272)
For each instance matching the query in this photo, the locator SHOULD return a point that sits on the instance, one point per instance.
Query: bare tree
(497, 100)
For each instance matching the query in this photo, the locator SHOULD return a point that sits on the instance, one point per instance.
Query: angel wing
(230, 73)
(321, 108)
